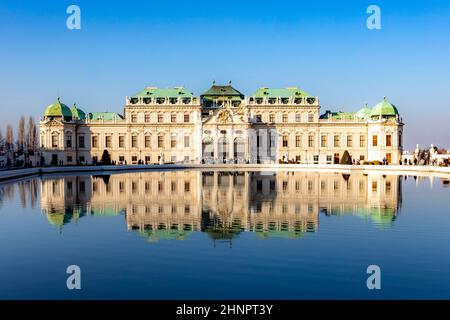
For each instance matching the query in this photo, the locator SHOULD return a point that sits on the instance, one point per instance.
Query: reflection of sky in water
(321, 231)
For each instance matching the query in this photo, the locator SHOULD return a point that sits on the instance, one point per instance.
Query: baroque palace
(222, 125)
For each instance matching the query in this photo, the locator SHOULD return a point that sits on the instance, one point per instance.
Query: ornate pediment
(227, 115)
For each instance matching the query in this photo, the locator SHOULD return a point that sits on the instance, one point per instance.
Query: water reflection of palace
(172, 204)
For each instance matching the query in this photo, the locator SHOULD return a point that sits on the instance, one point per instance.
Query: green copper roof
(177, 92)
(57, 109)
(338, 115)
(363, 113)
(77, 114)
(221, 92)
(384, 108)
(108, 116)
(280, 93)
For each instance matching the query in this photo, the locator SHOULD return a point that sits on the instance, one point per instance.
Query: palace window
(362, 141)
(173, 141)
(173, 117)
(258, 118)
(69, 141)
(187, 117)
(134, 141)
(147, 117)
(133, 117)
(311, 141)
(160, 117)
(285, 140)
(285, 117)
(187, 186)
(161, 141)
(298, 117)
(272, 117)
(316, 159)
(94, 141)
(388, 140)
(310, 117)
(108, 141)
(400, 141)
(121, 141)
(349, 141)
(147, 160)
(69, 158)
(374, 140)
(329, 159)
(134, 159)
(148, 141)
(186, 141)
(323, 141)
(337, 141)
(298, 141)
(81, 141)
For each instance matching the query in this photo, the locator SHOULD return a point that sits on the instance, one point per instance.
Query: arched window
(134, 140)
(310, 141)
(285, 140)
(161, 143)
(272, 117)
(42, 140)
(68, 140)
(173, 141)
(55, 140)
(148, 141)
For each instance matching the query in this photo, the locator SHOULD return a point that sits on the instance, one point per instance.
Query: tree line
(19, 150)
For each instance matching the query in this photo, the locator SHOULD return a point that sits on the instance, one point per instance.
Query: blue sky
(323, 47)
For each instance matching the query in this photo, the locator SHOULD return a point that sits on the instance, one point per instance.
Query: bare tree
(2, 142)
(31, 136)
(21, 135)
(9, 145)
(9, 142)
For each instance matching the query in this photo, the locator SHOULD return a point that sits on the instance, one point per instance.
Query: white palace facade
(221, 125)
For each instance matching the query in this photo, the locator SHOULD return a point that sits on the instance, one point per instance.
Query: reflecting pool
(225, 235)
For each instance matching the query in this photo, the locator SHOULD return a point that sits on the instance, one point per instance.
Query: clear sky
(324, 47)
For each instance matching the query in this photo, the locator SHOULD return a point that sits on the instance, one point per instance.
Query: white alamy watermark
(374, 280)
(74, 280)
(374, 19)
(73, 21)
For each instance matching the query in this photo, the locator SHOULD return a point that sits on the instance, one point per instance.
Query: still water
(225, 235)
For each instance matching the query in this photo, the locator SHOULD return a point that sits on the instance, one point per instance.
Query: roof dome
(384, 108)
(363, 113)
(77, 113)
(58, 109)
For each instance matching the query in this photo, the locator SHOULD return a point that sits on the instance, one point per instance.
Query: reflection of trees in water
(28, 192)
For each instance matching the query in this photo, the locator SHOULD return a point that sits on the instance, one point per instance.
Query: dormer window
(173, 100)
(272, 100)
(160, 100)
(285, 100)
(134, 100)
(147, 100)
(311, 100)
